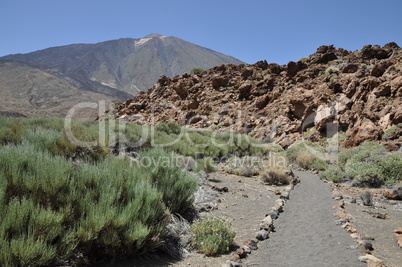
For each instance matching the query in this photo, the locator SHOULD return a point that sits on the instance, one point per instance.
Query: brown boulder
(180, 89)
(350, 68)
(245, 89)
(370, 52)
(397, 115)
(247, 73)
(325, 58)
(379, 69)
(294, 67)
(275, 68)
(219, 81)
(383, 90)
(393, 194)
(363, 130)
(261, 102)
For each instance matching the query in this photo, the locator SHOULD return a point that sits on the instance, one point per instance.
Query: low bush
(212, 235)
(334, 174)
(51, 209)
(307, 160)
(275, 176)
(207, 165)
(245, 166)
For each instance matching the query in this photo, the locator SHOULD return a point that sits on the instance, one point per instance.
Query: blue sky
(277, 31)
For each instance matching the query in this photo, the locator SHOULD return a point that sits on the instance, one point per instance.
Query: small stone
(280, 202)
(277, 208)
(367, 198)
(274, 215)
(235, 264)
(246, 249)
(355, 235)
(278, 192)
(349, 228)
(371, 261)
(353, 200)
(353, 247)
(262, 235)
(340, 222)
(251, 243)
(235, 258)
(342, 215)
(284, 195)
(242, 253)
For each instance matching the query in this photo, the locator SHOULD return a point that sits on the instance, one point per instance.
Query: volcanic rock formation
(359, 93)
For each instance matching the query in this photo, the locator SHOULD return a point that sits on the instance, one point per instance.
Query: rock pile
(359, 93)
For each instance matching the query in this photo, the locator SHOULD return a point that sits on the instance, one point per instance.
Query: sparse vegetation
(334, 174)
(302, 154)
(389, 132)
(275, 176)
(245, 166)
(196, 70)
(212, 235)
(367, 165)
(206, 165)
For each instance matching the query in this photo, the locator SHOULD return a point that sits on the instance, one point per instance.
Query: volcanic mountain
(49, 81)
(333, 90)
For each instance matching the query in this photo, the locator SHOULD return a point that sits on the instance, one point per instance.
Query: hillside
(128, 65)
(32, 92)
(358, 93)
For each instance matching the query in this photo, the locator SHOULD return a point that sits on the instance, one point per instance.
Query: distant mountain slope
(128, 65)
(51, 81)
(28, 91)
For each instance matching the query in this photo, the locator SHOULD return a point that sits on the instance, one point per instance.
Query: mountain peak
(153, 35)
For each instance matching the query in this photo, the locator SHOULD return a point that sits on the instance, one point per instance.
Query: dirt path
(306, 233)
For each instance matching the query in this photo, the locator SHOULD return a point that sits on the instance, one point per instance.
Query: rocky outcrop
(358, 92)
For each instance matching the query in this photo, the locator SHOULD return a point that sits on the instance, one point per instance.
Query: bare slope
(128, 65)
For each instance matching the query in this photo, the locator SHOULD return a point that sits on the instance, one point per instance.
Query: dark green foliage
(52, 208)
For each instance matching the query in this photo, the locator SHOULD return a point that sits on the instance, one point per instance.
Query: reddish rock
(393, 194)
(220, 81)
(280, 102)
(261, 102)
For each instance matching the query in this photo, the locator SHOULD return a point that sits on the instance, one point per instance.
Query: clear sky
(250, 30)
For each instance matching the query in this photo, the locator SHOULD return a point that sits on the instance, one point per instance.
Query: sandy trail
(306, 233)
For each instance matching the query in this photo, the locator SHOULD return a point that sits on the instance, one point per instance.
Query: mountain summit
(128, 65)
(116, 69)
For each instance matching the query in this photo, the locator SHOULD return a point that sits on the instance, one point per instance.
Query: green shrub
(53, 209)
(293, 151)
(197, 70)
(274, 148)
(206, 165)
(389, 132)
(334, 174)
(307, 160)
(212, 235)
